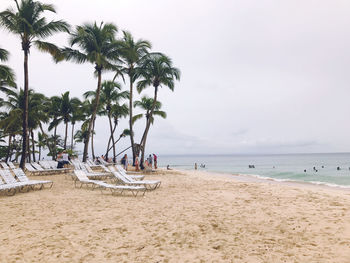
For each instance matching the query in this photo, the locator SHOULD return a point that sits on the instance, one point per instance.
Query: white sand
(193, 217)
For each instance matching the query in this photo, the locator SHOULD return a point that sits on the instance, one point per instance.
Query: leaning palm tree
(7, 76)
(146, 104)
(132, 52)
(156, 70)
(97, 45)
(28, 23)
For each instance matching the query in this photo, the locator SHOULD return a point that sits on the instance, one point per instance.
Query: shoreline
(262, 179)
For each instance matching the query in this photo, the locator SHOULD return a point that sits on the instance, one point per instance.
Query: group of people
(150, 160)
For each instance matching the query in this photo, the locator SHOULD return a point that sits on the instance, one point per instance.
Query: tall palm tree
(28, 23)
(156, 70)
(132, 52)
(97, 45)
(7, 76)
(146, 104)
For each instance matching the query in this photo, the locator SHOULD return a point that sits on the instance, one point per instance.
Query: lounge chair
(47, 167)
(10, 180)
(4, 165)
(127, 180)
(31, 169)
(12, 166)
(135, 177)
(84, 180)
(87, 169)
(8, 189)
(22, 177)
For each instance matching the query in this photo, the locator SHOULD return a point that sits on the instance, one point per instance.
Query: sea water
(332, 169)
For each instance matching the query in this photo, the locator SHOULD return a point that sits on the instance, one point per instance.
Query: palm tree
(132, 52)
(156, 70)
(7, 76)
(41, 143)
(146, 104)
(98, 46)
(67, 107)
(110, 95)
(77, 115)
(37, 104)
(29, 24)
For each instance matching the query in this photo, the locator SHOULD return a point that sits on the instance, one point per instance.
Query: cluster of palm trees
(97, 44)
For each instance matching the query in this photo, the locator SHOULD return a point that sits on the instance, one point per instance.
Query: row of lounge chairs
(9, 185)
(83, 174)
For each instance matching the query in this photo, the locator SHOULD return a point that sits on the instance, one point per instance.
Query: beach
(193, 217)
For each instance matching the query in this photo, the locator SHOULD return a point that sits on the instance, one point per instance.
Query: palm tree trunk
(39, 152)
(92, 141)
(28, 148)
(9, 148)
(33, 145)
(110, 127)
(97, 100)
(72, 141)
(110, 139)
(65, 136)
(130, 119)
(25, 112)
(149, 123)
(54, 153)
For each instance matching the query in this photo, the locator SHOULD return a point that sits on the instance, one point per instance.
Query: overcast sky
(258, 76)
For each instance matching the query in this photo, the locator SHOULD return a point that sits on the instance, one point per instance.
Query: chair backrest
(112, 168)
(123, 173)
(20, 175)
(4, 165)
(53, 164)
(7, 176)
(120, 177)
(12, 166)
(87, 167)
(37, 166)
(29, 167)
(81, 175)
(43, 164)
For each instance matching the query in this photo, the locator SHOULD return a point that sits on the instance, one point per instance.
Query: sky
(257, 76)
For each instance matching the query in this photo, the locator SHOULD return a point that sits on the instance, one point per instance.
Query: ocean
(332, 169)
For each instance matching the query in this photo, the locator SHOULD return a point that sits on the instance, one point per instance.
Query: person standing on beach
(155, 159)
(137, 168)
(150, 160)
(195, 166)
(126, 162)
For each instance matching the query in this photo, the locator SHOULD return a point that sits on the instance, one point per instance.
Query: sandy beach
(192, 217)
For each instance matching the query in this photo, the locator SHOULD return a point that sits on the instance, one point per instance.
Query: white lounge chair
(8, 189)
(32, 170)
(83, 179)
(12, 166)
(10, 180)
(4, 165)
(127, 180)
(22, 177)
(133, 176)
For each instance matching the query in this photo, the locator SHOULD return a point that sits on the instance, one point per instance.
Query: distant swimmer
(304, 171)
(322, 166)
(338, 168)
(251, 166)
